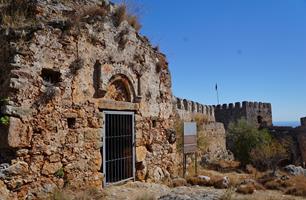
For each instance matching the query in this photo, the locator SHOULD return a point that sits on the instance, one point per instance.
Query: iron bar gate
(118, 147)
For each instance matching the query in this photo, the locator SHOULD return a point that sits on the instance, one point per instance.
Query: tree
(268, 156)
(244, 137)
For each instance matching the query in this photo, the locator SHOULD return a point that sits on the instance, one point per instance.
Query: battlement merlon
(194, 107)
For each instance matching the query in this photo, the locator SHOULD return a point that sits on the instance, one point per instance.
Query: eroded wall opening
(51, 76)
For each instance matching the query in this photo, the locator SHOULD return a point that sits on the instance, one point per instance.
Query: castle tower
(257, 113)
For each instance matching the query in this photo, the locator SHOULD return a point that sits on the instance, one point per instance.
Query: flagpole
(217, 94)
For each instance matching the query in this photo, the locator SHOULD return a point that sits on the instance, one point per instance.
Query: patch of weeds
(91, 14)
(60, 173)
(47, 96)
(161, 64)
(76, 66)
(17, 13)
(228, 194)
(4, 101)
(121, 15)
(59, 195)
(145, 196)
(5, 120)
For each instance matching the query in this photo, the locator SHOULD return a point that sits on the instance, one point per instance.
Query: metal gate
(118, 147)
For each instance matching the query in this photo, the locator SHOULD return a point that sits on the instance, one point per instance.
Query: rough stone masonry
(57, 75)
(62, 64)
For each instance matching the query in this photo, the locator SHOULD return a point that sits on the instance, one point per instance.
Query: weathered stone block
(16, 111)
(92, 134)
(18, 168)
(51, 168)
(141, 153)
(4, 191)
(55, 158)
(19, 135)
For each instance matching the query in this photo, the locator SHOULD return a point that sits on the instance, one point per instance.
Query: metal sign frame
(190, 147)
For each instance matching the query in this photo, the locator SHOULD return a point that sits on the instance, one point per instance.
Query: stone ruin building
(86, 101)
(257, 113)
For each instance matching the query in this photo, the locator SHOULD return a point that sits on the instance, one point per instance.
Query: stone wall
(58, 79)
(301, 139)
(257, 113)
(212, 133)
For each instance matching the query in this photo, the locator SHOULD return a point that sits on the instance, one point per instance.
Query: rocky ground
(146, 191)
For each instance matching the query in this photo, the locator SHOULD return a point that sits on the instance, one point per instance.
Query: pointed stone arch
(120, 88)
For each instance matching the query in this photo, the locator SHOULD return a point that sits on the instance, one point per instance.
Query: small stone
(246, 189)
(178, 182)
(205, 178)
(19, 168)
(141, 153)
(222, 183)
(4, 191)
(51, 168)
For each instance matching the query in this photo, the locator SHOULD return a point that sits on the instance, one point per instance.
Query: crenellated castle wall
(254, 112)
(212, 132)
(187, 109)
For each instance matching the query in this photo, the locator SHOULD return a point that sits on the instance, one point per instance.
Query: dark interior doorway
(118, 151)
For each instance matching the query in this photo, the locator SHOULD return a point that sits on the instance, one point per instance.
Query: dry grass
(145, 196)
(235, 178)
(121, 14)
(246, 189)
(72, 194)
(199, 181)
(277, 184)
(228, 195)
(224, 166)
(298, 187)
(16, 13)
(161, 64)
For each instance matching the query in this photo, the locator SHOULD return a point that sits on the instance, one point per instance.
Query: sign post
(190, 144)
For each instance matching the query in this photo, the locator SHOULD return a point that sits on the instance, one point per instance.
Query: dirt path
(148, 191)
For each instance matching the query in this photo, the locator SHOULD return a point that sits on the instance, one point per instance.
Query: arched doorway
(118, 133)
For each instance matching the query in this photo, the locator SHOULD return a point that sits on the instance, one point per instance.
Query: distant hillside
(287, 123)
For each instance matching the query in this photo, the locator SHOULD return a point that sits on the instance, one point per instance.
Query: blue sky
(254, 49)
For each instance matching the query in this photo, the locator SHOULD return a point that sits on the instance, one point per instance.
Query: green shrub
(244, 138)
(60, 173)
(5, 120)
(4, 101)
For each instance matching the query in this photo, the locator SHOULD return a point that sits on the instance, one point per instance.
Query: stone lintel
(117, 105)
